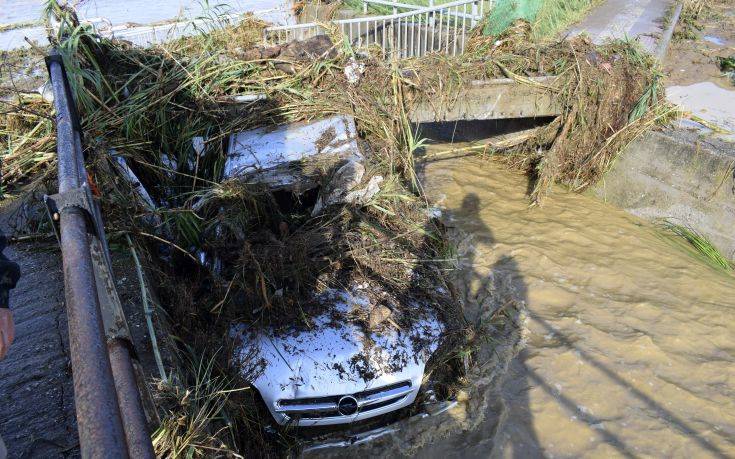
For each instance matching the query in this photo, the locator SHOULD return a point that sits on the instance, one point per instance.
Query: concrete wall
(680, 175)
(500, 98)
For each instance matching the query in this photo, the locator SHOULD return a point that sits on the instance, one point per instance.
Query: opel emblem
(347, 405)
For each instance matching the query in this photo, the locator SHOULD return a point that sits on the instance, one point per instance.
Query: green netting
(504, 12)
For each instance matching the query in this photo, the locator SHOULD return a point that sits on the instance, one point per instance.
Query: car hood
(336, 355)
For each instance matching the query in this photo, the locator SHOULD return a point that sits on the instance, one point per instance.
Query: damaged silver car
(360, 358)
(364, 353)
(337, 372)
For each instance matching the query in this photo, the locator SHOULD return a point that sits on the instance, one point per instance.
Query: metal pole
(95, 400)
(98, 413)
(119, 348)
(131, 405)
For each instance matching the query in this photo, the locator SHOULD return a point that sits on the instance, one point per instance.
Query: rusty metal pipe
(98, 413)
(131, 405)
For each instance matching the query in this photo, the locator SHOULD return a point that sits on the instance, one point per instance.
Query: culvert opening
(475, 130)
(491, 138)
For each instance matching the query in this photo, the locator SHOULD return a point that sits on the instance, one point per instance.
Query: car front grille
(330, 407)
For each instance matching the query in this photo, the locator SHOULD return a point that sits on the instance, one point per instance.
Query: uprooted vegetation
(26, 130)
(609, 95)
(148, 105)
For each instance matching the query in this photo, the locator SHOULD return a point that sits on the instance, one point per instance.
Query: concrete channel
(684, 172)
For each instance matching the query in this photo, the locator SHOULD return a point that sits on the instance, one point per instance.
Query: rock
(378, 315)
(314, 48)
(318, 47)
(261, 53)
(311, 49)
(344, 179)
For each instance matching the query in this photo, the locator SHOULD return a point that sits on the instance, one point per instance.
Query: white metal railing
(420, 30)
(395, 5)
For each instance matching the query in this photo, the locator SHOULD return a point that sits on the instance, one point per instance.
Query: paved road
(140, 11)
(36, 393)
(37, 416)
(637, 19)
(128, 11)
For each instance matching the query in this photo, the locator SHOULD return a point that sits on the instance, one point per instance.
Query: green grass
(555, 16)
(547, 17)
(691, 20)
(701, 244)
(727, 64)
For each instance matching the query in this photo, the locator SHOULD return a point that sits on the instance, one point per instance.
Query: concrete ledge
(501, 98)
(679, 175)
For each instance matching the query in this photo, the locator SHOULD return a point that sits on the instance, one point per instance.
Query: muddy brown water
(628, 337)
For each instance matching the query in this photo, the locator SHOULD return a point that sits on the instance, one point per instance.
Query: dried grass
(28, 142)
(609, 95)
(691, 20)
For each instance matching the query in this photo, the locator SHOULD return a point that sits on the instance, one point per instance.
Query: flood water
(630, 339)
(709, 101)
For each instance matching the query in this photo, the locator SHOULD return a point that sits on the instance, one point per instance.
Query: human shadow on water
(493, 286)
(495, 297)
(662, 412)
(501, 289)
